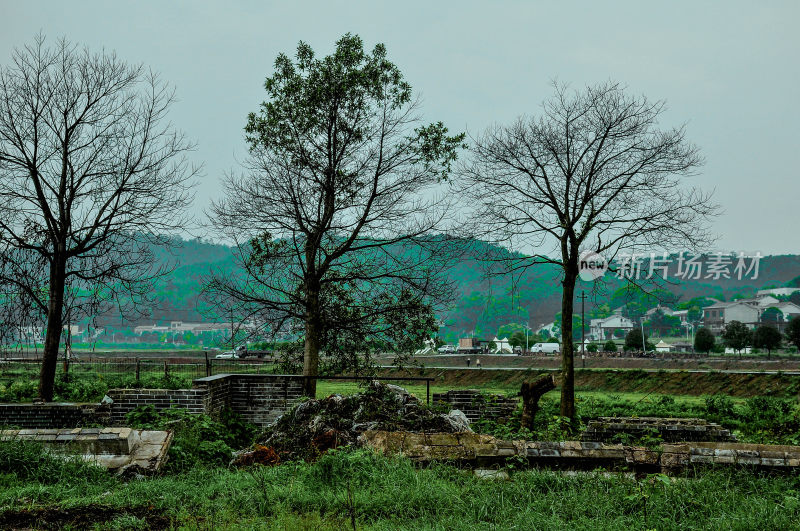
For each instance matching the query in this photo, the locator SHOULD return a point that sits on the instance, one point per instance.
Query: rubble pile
(314, 426)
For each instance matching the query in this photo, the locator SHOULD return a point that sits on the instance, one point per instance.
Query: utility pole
(583, 329)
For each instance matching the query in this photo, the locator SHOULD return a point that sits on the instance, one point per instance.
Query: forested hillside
(482, 303)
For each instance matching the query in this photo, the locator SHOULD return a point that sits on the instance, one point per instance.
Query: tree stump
(531, 392)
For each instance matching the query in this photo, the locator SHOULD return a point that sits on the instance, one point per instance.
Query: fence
(141, 369)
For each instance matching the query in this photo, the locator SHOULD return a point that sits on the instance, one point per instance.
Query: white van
(546, 348)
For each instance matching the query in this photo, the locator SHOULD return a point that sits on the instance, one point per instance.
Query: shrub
(198, 439)
(721, 405)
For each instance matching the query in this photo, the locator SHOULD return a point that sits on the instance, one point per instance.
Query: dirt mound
(314, 426)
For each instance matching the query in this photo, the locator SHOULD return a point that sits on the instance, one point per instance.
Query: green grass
(391, 493)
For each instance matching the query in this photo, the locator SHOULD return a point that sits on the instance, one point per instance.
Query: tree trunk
(55, 309)
(567, 347)
(531, 393)
(312, 342)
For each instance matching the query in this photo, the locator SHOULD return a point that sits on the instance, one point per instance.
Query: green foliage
(771, 315)
(393, 493)
(665, 325)
(28, 460)
(199, 440)
(592, 347)
(610, 346)
(633, 340)
(719, 405)
(704, 340)
(767, 337)
(793, 332)
(736, 335)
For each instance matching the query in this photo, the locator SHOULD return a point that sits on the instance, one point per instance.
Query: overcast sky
(729, 69)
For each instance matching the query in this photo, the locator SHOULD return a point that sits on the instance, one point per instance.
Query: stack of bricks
(668, 429)
(476, 405)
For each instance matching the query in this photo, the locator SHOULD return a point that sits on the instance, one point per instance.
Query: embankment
(675, 382)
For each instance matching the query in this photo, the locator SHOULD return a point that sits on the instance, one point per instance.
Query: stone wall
(121, 449)
(476, 405)
(476, 450)
(52, 416)
(676, 457)
(606, 429)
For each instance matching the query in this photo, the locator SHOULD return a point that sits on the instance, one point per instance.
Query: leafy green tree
(334, 215)
(771, 315)
(793, 331)
(610, 346)
(633, 340)
(666, 325)
(592, 347)
(768, 337)
(736, 335)
(704, 340)
(517, 339)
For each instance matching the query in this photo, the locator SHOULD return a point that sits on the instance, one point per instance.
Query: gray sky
(729, 69)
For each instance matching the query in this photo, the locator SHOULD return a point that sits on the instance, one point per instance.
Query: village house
(600, 329)
(747, 311)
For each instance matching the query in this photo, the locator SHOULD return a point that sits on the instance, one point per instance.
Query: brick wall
(126, 400)
(261, 400)
(52, 416)
(258, 398)
(476, 405)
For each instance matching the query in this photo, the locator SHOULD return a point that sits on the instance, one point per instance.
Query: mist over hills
(482, 303)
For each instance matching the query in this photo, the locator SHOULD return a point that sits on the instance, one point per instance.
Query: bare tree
(593, 172)
(331, 219)
(91, 172)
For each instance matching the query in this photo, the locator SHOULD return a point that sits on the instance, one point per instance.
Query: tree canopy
(736, 335)
(336, 214)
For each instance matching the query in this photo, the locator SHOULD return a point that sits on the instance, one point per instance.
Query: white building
(783, 292)
(662, 346)
(502, 346)
(601, 329)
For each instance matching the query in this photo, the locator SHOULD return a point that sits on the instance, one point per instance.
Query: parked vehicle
(546, 348)
(238, 352)
(447, 349)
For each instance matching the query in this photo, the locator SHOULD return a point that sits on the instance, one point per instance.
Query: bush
(720, 405)
(199, 440)
(610, 346)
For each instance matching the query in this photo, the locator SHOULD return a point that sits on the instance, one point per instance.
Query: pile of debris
(314, 426)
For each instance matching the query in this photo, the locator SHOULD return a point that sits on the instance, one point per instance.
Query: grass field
(360, 490)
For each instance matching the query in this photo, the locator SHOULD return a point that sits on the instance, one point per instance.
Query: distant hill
(482, 303)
